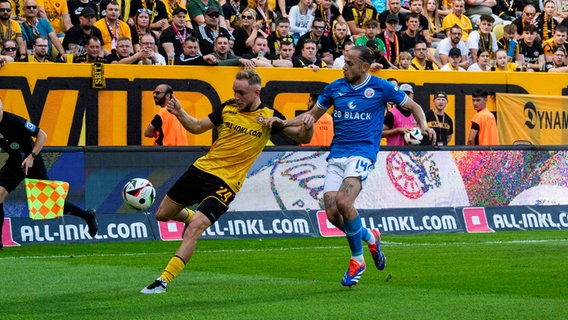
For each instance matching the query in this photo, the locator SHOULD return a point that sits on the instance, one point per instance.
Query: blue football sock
(353, 233)
(366, 235)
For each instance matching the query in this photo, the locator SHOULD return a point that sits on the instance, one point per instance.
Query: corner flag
(46, 198)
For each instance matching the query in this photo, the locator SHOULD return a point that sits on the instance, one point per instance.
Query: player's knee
(343, 204)
(162, 216)
(336, 219)
(199, 222)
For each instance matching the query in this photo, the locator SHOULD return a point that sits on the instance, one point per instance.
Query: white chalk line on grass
(384, 243)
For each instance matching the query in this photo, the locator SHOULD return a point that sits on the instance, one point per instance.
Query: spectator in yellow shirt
(457, 17)
(112, 28)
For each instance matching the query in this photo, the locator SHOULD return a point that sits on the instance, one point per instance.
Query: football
(139, 193)
(413, 137)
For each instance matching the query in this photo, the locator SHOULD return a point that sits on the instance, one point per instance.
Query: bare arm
(21, 45)
(301, 134)
(168, 47)
(449, 137)
(307, 119)
(485, 3)
(67, 20)
(420, 118)
(38, 145)
(190, 123)
(150, 131)
(473, 55)
(41, 12)
(471, 138)
(282, 6)
(354, 29)
(387, 132)
(200, 19)
(57, 44)
(559, 69)
(282, 63)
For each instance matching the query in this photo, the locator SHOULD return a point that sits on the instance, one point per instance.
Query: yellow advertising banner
(534, 119)
(61, 100)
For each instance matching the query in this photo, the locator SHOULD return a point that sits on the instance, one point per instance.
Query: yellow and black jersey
(360, 17)
(241, 139)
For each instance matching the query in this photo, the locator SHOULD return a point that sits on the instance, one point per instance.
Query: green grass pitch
(507, 275)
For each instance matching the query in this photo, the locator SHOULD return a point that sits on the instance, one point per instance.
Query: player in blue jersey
(360, 101)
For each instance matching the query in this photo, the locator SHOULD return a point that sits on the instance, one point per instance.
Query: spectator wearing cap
(173, 37)
(35, 27)
(453, 64)
(199, 9)
(323, 128)
(399, 120)
(392, 14)
(76, 7)
(456, 17)
(439, 120)
(356, 13)
(76, 38)
(390, 38)
(208, 31)
(156, 9)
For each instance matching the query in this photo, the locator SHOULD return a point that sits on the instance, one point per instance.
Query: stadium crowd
(446, 35)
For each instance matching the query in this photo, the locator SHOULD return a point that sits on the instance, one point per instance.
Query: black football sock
(70, 208)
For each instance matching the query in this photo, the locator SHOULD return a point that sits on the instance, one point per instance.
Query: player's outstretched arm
(190, 123)
(301, 134)
(420, 119)
(307, 119)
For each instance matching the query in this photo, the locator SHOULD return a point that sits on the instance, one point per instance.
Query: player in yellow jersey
(214, 179)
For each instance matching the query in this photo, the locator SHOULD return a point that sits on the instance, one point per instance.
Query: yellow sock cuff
(190, 214)
(174, 267)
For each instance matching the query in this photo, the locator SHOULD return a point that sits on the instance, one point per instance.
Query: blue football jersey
(359, 114)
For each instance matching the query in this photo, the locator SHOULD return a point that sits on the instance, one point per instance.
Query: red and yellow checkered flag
(46, 198)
